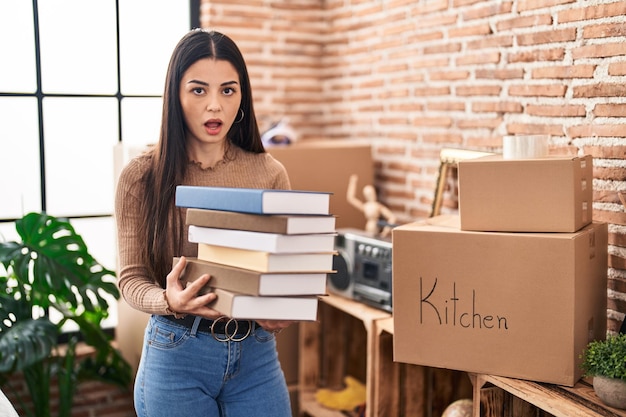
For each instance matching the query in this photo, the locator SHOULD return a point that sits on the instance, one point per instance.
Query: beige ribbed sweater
(241, 169)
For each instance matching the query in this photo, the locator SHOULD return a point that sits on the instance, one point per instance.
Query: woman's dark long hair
(169, 158)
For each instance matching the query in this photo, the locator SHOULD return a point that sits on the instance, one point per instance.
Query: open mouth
(213, 125)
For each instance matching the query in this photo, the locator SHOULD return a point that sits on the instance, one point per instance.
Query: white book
(245, 306)
(268, 242)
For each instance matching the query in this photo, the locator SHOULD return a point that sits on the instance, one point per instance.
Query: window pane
(141, 120)
(17, 47)
(80, 135)
(78, 46)
(8, 233)
(20, 185)
(149, 31)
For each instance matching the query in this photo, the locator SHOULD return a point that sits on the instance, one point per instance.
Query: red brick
(481, 29)
(491, 9)
(432, 121)
(610, 110)
(599, 50)
(431, 6)
(537, 90)
(448, 75)
(482, 142)
(478, 123)
(443, 48)
(500, 74)
(612, 217)
(552, 54)
(525, 5)
(617, 68)
(430, 63)
(534, 129)
(550, 36)
(438, 21)
(460, 3)
(432, 91)
(446, 106)
(442, 138)
(491, 41)
(479, 90)
(607, 152)
(484, 58)
(594, 11)
(606, 30)
(565, 71)
(498, 107)
(606, 196)
(599, 90)
(618, 239)
(425, 37)
(556, 110)
(406, 107)
(524, 21)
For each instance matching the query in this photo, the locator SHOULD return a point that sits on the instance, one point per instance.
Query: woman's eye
(198, 90)
(228, 91)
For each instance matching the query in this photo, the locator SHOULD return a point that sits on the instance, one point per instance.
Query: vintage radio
(363, 265)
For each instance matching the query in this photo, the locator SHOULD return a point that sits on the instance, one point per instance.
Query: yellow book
(266, 261)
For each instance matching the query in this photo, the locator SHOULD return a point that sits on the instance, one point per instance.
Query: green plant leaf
(54, 259)
(606, 357)
(25, 343)
(52, 268)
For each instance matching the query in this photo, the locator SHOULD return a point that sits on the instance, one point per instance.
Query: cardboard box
(520, 305)
(551, 194)
(326, 165)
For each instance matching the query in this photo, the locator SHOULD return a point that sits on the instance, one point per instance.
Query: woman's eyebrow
(207, 84)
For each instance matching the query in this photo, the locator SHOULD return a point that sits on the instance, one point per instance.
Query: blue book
(253, 200)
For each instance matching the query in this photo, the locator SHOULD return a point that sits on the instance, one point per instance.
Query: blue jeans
(187, 373)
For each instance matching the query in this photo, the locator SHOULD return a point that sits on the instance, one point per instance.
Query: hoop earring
(242, 116)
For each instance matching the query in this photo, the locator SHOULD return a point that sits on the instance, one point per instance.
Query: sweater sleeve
(136, 286)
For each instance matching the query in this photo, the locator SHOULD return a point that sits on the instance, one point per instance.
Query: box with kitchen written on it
(519, 305)
(552, 194)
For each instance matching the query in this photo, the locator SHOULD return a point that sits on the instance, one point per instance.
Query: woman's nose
(213, 105)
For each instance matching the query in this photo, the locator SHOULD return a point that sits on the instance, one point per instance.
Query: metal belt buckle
(230, 336)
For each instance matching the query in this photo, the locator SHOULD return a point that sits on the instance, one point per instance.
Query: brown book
(244, 306)
(276, 223)
(251, 282)
(266, 261)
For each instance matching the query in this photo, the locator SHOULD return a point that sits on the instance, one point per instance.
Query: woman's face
(210, 95)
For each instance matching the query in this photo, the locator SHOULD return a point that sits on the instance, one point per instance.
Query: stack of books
(268, 252)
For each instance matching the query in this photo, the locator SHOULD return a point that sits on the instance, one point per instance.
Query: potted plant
(605, 361)
(51, 268)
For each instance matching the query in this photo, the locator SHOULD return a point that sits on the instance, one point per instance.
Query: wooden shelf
(525, 397)
(354, 339)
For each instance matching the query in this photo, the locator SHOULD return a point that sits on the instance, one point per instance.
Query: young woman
(195, 363)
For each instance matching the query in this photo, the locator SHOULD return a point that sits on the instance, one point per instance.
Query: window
(77, 79)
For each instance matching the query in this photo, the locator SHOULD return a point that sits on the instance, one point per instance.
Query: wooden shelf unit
(354, 339)
(496, 396)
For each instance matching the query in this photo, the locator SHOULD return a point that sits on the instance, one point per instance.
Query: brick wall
(413, 77)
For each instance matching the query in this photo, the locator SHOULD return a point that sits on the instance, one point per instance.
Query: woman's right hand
(186, 300)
